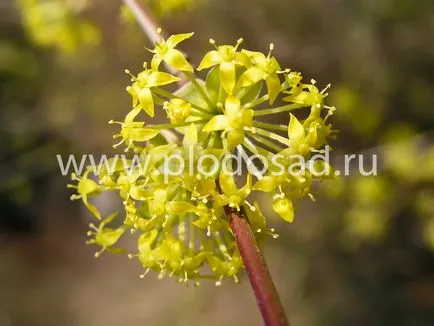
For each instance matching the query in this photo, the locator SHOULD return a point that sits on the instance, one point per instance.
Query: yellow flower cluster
(180, 217)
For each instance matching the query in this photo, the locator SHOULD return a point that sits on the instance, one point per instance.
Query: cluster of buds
(180, 218)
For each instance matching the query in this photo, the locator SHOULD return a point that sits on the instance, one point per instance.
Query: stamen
(271, 50)
(219, 282)
(93, 227)
(111, 122)
(212, 41)
(118, 144)
(252, 208)
(133, 78)
(239, 41)
(97, 254)
(145, 273)
(326, 88)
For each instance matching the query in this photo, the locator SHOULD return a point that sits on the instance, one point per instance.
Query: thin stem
(181, 229)
(265, 142)
(192, 239)
(212, 140)
(172, 126)
(250, 165)
(265, 292)
(255, 149)
(256, 102)
(169, 95)
(250, 146)
(271, 135)
(278, 109)
(270, 126)
(263, 98)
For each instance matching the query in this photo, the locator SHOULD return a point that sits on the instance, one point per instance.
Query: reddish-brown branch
(257, 270)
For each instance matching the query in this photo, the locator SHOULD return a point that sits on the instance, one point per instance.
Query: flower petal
(266, 184)
(218, 122)
(176, 59)
(146, 101)
(232, 107)
(250, 77)
(108, 237)
(155, 62)
(143, 134)
(173, 40)
(132, 114)
(295, 129)
(234, 138)
(87, 186)
(283, 207)
(210, 59)
(227, 76)
(227, 184)
(179, 207)
(91, 207)
(273, 87)
(190, 136)
(159, 78)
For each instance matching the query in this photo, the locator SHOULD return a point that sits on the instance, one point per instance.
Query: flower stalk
(265, 292)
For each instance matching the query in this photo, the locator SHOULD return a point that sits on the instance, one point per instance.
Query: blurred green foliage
(57, 23)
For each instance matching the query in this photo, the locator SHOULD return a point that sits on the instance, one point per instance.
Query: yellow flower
(227, 58)
(165, 51)
(176, 205)
(263, 68)
(141, 92)
(132, 131)
(85, 188)
(104, 236)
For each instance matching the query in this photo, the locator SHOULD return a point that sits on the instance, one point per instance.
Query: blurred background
(361, 255)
